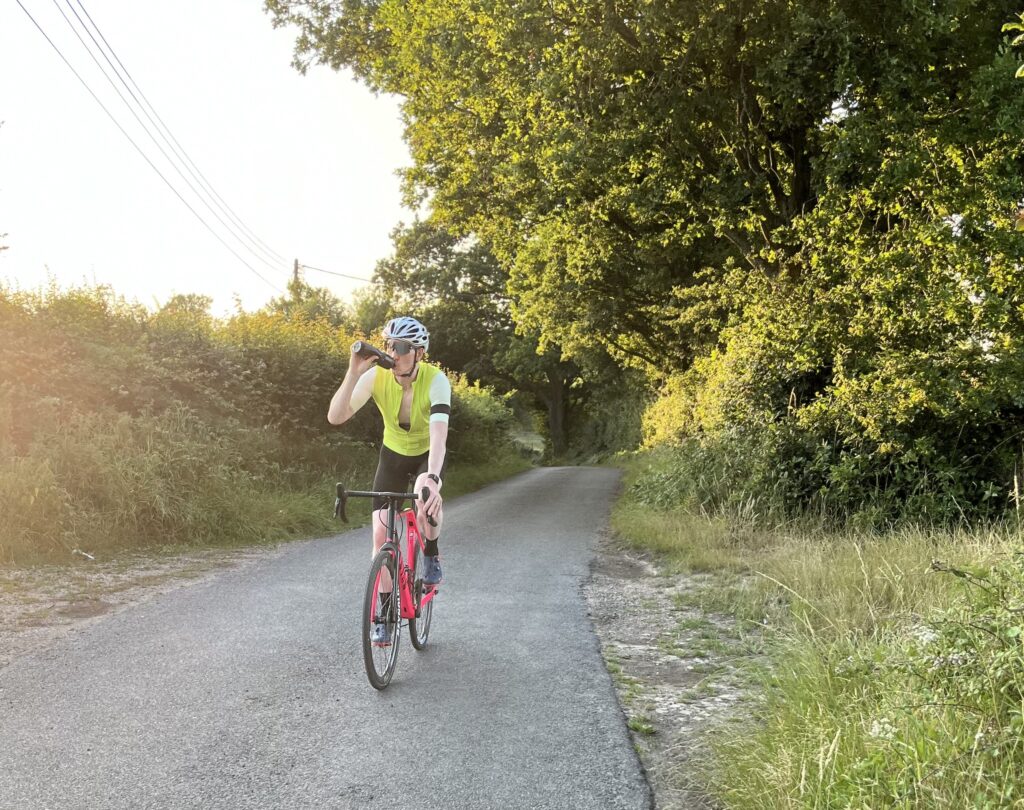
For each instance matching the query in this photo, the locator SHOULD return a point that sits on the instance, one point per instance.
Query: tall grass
(100, 483)
(892, 680)
(122, 429)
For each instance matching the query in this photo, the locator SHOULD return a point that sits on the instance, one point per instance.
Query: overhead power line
(168, 136)
(139, 149)
(335, 273)
(230, 228)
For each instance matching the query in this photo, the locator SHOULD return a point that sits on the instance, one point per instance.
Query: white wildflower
(882, 729)
(923, 634)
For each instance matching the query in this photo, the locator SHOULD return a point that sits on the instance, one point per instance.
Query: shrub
(608, 419)
(481, 423)
(120, 428)
(968, 672)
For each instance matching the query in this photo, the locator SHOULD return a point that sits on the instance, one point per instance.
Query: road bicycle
(393, 564)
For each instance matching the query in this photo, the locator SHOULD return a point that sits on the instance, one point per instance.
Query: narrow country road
(248, 690)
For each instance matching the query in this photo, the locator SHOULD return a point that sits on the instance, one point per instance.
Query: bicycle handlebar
(345, 494)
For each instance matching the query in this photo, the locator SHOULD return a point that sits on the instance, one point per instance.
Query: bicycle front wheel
(419, 625)
(381, 619)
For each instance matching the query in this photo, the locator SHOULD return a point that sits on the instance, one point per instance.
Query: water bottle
(364, 349)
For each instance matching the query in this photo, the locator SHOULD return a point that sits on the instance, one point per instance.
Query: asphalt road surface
(248, 690)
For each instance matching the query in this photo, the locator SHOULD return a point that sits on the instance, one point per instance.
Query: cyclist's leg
(393, 471)
(431, 534)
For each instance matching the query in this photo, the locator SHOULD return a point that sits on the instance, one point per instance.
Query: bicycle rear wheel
(381, 659)
(419, 625)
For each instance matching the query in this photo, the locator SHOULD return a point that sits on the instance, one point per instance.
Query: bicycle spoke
(419, 625)
(381, 621)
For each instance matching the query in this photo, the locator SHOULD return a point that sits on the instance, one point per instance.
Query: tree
(807, 210)
(609, 154)
(458, 287)
(371, 307)
(310, 303)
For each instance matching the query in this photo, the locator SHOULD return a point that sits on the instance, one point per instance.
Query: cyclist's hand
(433, 503)
(360, 365)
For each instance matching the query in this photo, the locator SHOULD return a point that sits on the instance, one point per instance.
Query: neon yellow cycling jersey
(431, 402)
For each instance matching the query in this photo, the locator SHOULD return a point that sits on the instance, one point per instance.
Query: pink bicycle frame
(412, 539)
(407, 608)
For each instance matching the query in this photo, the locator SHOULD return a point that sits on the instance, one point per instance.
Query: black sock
(385, 598)
(431, 547)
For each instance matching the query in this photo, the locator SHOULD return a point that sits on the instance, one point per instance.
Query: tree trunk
(558, 414)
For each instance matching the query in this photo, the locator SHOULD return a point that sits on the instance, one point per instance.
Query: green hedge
(123, 428)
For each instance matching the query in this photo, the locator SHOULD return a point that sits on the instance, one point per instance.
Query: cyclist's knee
(379, 527)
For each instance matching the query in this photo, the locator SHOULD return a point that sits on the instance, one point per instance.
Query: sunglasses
(399, 347)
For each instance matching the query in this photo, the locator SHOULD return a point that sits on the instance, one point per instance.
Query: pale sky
(307, 163)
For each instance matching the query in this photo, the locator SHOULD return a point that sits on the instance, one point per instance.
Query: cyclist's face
(404, 354)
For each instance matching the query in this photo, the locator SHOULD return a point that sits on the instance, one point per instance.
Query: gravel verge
(677, 669)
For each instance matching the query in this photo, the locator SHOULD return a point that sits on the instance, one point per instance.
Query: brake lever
(423, 497)
(339, 503)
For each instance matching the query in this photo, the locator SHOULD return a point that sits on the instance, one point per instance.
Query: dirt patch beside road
(674, 666)
(42, 604)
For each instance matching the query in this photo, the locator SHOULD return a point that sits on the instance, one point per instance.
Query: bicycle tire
(419, 625)
(380, 662)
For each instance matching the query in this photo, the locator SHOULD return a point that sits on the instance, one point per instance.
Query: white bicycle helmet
(407, 328)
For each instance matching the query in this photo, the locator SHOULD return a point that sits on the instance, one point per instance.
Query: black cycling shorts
(394, 470)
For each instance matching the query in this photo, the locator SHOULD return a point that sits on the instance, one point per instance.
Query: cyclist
(414, 399)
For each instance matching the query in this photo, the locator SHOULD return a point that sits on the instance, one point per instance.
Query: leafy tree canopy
(801, 212)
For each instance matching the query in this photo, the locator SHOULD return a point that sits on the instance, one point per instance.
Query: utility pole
(295, 272)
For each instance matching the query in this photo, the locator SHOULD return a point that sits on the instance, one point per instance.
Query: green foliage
(971, 664)
(458, 288)
(605, 413)
(1017, 41)
(121, 428)
(481, 423)
(371, 308)
(304, 302)
(288, 368)
(880, 680)
(105, 482)
(33, 508)
(737, 474)
(787, 213)
(927, 714)
(780, 472)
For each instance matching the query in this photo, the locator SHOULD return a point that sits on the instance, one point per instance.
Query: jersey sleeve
(440, 398)
(363, 390)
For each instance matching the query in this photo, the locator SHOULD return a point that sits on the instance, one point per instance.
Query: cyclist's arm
(352, 394)
(440, 410)
(438, 447)
(435, 460)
